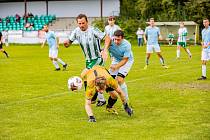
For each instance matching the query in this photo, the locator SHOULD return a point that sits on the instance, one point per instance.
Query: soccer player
(120, 51)
(52, 41)
(152, 33)
(112, 27)
(182, 41)
(89, 38)
(170, 38)
(98, 79)
(1, 46)
(205, 56)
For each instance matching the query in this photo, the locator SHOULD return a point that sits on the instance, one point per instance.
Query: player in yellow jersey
(99, 80)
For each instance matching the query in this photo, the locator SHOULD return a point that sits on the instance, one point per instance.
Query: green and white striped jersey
(182, 34)
(89, 41)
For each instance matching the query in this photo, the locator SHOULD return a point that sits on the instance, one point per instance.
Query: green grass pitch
(169, 104)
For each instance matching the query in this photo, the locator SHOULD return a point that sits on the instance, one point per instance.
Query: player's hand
(128, 109)
(92, 119)
(104, 54)
(113, 68)
(66, 43)
(205, 46)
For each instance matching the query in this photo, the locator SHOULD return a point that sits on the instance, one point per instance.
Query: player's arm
(43, 43)
(107, 42)
(57, 41)
(145, 38)
(120, 64)
(67, 43)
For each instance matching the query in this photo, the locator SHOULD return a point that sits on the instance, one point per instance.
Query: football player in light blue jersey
(152, 33)
(52, 41)
(120, 51)
(205, 56)
(89, 39)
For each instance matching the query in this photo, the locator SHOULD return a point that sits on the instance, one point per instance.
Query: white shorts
(123, 69)
(205, 55)
(151, 47)
(53, 53)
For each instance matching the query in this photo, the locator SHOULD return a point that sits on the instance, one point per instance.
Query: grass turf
(168, 104)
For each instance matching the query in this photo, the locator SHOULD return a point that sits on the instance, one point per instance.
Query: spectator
(140, 34)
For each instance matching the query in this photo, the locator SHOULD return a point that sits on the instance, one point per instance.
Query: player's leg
(178, 50)
(3, 51)
(187, 50)
(204, 59)
(148, 54)
(122, 73)
(53, 56)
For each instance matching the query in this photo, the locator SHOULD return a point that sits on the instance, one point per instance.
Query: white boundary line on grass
(64, 93)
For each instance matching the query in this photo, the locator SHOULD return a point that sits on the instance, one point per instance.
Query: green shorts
(93, 62)
(183, 44)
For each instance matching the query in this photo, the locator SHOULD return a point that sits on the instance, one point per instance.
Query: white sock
(162, 61)
(189, 53)
(60, 61)
(100, 97)
(204, 70)
(177, 53)
(125, 90)
(55, 64)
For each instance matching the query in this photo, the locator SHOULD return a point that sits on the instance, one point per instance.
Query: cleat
(165, 67)
(112, 110)
(57, 69)
(145, 67)
(202, 78)
(128, 109)
(92, 119)
(190, 56)
(100, 103)
(65, 66)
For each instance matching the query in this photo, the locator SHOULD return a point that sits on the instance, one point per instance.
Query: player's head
(111, 20)
(45, 28)
(82, 22)
(100, 83)
(139, 28)
(118, 37)
(181, 24)
(151, 21)
(206, 22)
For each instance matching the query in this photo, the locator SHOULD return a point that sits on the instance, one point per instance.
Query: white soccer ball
(74, 83)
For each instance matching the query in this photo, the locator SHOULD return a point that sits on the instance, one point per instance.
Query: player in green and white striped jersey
(182, 40)
(89, 39)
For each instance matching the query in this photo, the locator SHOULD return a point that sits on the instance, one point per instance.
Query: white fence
(32, 37)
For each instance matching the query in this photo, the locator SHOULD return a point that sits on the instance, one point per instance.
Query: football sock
(177, 53)
(188, 51)
(111, 102)
(5, 53)
(60, 61)
(85, 85)
(125, 90)
(147, 61)
(100, 97)
(55, 64)
(204, 70)
(162, 60)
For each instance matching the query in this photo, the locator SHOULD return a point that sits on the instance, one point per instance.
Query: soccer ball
(74, 83)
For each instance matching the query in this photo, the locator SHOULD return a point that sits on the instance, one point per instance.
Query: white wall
(62, 8)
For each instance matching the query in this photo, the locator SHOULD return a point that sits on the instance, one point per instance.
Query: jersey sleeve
(98, 33)
(127, 51)
(72, 37)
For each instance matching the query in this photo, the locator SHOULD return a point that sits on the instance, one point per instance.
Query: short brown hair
(80, 16)
(100, 82)
(119, 33)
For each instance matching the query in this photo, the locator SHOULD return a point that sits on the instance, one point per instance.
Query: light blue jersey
(206, 36)
(51, 39)
(152, 34)
(121, 51)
